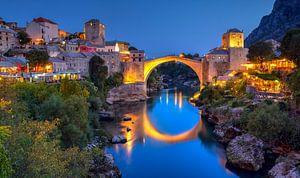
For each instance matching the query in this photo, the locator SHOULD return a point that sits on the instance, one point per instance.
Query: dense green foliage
(98, 72)
(271, 122)
(260, 51)
(48, 125)
(236, 88)
(37, 58)
(266, 121)
(23, 38)
(153, 79)
(211, 95)
(290, 46)
(294, 85)
(114, 80)
(5, 164)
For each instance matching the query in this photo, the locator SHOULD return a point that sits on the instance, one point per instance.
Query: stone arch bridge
(138, 72)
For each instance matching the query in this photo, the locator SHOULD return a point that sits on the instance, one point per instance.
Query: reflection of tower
(95, 32)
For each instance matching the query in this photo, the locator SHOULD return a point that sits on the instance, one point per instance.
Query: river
(168, 138)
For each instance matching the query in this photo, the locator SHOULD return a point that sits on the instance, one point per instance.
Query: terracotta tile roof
(41, 19)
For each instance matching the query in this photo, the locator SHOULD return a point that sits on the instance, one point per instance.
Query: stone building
(218, 60)
(79, 61)
(233, 38)
(238, 57)
(230, 56)
(137, 55)
(58, 65)
(42, 30)
(95, 32)
(8, 38)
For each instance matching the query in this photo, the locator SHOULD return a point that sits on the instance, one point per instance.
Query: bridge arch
(150, 65)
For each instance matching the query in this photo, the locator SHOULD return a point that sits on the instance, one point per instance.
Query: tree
(260, 51)
(52, 108)
(23, 38)
(211, 94)
(74, 125)
(5, 164)
(294, 85)
(290, 46)
(267, 121)
(98, 72)
(114, 81)
(70, 88)
(37, 58)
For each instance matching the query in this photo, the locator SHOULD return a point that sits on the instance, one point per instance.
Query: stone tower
(94, 32)
(233, 38)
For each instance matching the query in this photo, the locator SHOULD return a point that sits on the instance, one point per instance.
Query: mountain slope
(284, 16)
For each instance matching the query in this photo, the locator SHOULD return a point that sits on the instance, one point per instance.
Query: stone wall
(238, 56)
(133, 72)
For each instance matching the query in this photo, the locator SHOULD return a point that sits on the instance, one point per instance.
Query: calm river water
(167, 139)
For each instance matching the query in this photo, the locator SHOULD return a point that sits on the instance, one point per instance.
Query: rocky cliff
(284, 16)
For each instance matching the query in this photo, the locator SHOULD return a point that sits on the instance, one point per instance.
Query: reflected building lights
(180, 100)
(175, 97)
(129, 134)
(167, 97)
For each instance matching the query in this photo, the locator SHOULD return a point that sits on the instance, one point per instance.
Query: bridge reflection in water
(146, 128)
(148, 138)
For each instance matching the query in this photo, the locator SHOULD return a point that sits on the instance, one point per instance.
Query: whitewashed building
(42, 30)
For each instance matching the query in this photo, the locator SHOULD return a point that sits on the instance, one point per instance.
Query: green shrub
(266, 121)
(293, 133)
(211, 95)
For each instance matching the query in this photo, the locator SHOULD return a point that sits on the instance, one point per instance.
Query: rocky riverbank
(103, 165)
(247, 152)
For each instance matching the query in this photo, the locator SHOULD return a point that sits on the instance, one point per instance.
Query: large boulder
(224, 133)
(219, 115)
(246, 152)
(286, 167)
(118, 139)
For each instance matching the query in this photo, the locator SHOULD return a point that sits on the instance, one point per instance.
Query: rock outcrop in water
(285, 15)
(246, 152)
(224, 133)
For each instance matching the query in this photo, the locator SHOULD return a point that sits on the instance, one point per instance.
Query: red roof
(41, 19)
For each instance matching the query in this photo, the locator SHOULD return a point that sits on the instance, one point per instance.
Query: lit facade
(42, 30)
(272, 65)
(233, 38)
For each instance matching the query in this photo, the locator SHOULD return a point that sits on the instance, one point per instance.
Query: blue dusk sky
(160, 27)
